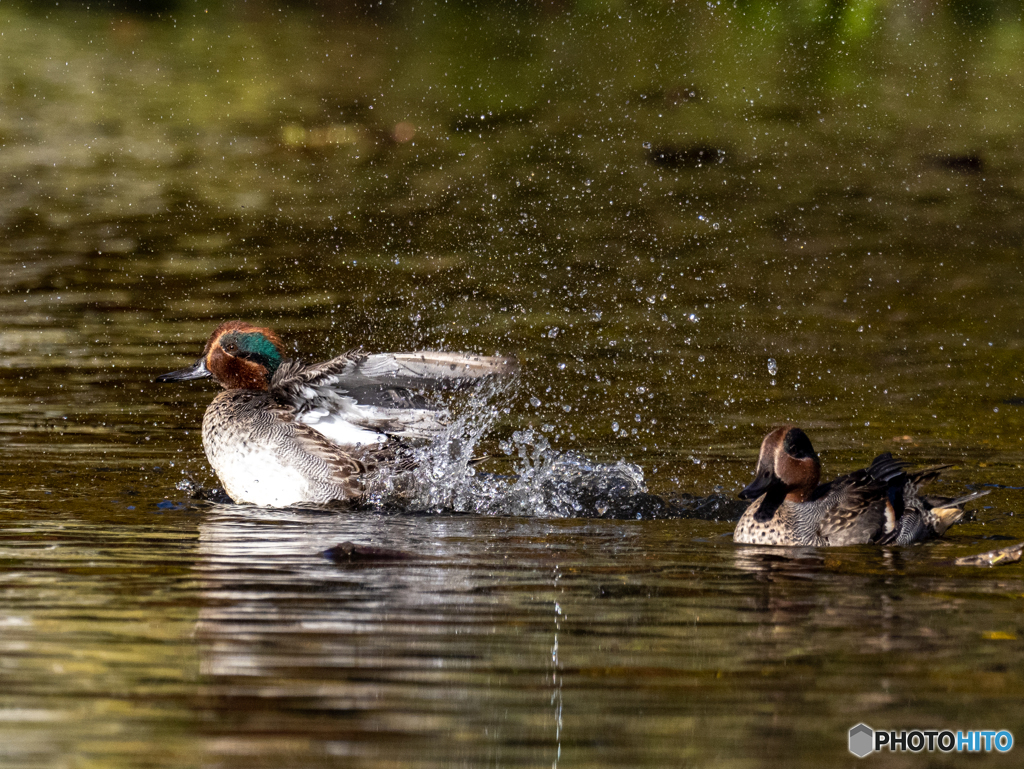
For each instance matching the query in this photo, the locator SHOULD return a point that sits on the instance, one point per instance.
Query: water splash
(551, 483)
(544, 483)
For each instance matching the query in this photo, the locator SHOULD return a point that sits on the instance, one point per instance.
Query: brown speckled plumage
(251, 422)
(876, 505)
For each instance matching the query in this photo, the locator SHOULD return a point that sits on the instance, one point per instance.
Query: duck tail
(952, 511)
(961, 501)
(944, 517)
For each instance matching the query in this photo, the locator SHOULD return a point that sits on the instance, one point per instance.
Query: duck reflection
(805, 592)
(282, 578)
(772, 563)
(370, 633)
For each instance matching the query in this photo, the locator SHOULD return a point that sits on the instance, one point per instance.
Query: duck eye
(231, 347)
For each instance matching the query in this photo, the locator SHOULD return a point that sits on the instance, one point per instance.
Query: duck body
(264, 456)
(877, 505)
(285, 433)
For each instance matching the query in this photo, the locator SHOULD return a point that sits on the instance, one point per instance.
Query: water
(689, 224)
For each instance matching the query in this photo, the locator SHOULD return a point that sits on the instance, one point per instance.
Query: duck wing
(357, 399)
(425, 369)
(855, 513)
(891, 512)
(864, 506)
(335, 472)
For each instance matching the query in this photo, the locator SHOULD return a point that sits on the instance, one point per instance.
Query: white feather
(339, 430)
(255, 475)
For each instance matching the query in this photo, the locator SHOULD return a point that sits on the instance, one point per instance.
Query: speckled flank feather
(285, 433)
(877, 505)
(264, 456)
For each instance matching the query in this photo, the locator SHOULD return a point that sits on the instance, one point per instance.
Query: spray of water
(544, 483)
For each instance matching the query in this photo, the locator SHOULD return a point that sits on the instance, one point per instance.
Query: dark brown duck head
(787, 468)
(238, 355)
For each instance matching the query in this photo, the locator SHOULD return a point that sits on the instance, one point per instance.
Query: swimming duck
(878, 505)
(286, 433)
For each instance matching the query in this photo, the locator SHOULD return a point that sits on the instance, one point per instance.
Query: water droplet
(773, 367)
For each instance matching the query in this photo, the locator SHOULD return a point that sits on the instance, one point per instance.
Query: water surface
(689, 224)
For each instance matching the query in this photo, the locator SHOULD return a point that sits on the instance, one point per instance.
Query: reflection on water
(226, 637)
(690, 222)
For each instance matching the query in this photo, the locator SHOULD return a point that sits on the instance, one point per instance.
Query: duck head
(787, 468)
(238, 355)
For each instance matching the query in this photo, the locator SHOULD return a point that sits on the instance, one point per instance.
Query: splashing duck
(286, 433)
(877, 505)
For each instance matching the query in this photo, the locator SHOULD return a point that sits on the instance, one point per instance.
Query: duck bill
(197, 371)
(757, 487)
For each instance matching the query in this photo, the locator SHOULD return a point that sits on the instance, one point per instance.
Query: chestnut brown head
(238, 355)
(787, 466)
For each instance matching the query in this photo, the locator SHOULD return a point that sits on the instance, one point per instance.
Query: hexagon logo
(862, 739)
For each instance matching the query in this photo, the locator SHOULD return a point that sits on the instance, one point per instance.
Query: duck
(878, 505)
(284, 433)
